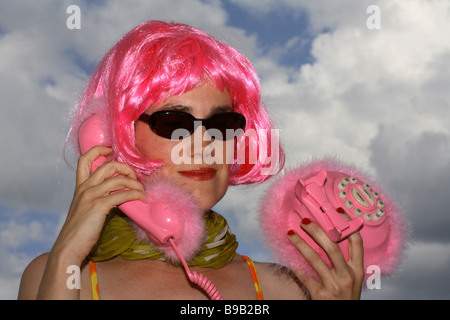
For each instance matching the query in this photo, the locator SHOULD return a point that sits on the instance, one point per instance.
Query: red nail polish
(291, 233)
(340, 210)
(306, 221)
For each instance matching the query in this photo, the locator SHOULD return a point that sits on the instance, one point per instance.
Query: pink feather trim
(169, 196)
(274, 225)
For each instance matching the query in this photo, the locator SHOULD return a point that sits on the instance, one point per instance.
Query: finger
(107, 171)
(117, 183)
(103, 196)
(331, 248)
(85, 162)
(314, 259)
(120, 197)
(356, 250)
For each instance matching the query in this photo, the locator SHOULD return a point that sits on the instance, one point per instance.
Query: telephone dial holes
(367, 185)
(353, 180)
(345, 181)
(367, 216)
(358, 212)
(375, 194)
(348, 204)
(380, 204)
(381, 212)
(341, 185)
(343, 194)
(376, 217)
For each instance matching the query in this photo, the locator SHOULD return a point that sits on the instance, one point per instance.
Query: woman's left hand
(344, 279)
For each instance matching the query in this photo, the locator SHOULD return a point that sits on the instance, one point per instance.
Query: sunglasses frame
(152, 119)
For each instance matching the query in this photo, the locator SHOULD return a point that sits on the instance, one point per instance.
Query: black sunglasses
(165, 122)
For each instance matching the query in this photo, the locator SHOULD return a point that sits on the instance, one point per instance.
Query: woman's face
(207, 182)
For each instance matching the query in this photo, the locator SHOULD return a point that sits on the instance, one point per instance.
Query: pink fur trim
(181, 202)
(273, 219)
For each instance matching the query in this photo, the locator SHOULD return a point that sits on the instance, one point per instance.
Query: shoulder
(31, 277)
(279, 283)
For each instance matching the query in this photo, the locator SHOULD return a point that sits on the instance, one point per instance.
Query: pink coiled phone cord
(198, 278)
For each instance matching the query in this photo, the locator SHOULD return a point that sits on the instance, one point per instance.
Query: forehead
(202, 98)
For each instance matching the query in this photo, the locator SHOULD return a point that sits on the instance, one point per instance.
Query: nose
(202, 145)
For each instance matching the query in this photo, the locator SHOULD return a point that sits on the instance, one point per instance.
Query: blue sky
(377, 98)
(275, 29)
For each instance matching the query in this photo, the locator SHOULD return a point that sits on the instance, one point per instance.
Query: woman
(175, 71)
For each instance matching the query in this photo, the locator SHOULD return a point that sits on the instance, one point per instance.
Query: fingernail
(291, 233)
(306, 221)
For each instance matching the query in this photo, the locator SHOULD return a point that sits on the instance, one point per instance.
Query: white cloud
(23, 236)
(380, 98)
(363, 78)
(423, 275)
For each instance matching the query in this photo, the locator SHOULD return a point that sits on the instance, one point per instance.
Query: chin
(205, 202)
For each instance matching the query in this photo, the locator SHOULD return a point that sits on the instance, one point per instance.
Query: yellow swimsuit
(251, 265)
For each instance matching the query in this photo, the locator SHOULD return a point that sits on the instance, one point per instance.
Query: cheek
(151, 146)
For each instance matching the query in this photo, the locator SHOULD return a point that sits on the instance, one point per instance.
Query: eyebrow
(215, 110)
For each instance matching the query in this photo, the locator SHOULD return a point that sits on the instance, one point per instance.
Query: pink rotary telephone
(170, 216)
(341, 201)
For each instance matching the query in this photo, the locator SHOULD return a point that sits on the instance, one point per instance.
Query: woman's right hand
(112, 184)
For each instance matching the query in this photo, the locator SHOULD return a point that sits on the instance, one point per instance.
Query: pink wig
(156, 60)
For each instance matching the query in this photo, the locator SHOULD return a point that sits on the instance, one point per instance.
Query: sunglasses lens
(165, 123)
(226, 121)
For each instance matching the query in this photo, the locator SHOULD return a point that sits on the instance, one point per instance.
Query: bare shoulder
(31, 278)
(279, 283)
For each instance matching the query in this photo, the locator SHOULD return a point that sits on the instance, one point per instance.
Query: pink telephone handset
(170, 217)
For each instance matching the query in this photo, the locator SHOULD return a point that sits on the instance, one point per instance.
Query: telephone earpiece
(171, 217)
(342, 201)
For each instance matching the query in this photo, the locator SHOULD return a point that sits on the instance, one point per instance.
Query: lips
(201, 174)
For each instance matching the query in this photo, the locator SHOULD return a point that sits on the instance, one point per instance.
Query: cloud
(23, 236)
(377, 98)
(416, 167)
(423, 275)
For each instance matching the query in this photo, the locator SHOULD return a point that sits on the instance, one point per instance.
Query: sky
(375, 97)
